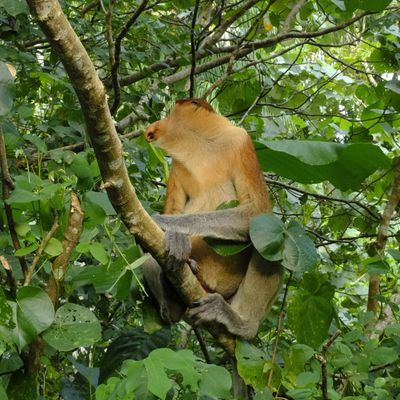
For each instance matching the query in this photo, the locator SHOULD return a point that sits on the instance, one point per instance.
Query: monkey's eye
(195, 102)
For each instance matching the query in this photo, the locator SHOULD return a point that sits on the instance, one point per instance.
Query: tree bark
(108, 147)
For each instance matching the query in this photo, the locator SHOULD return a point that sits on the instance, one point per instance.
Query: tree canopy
(315, 83)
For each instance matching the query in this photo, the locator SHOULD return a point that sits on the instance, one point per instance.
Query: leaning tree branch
(293, 12)
(11, 281)
(108, 149)
(214, 37)
(383, 234)
(31, 269)
(70, 240)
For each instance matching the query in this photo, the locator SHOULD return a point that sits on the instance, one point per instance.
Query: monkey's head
(188, 120)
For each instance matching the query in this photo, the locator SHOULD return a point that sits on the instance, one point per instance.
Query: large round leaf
(36, 307)
(75, 326)
(267, 234)
(299, 253)
(346, 166)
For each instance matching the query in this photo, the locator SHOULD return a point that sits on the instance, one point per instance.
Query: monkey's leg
(171, 307)
(248, 306)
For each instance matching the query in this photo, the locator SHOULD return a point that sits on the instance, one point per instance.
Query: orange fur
(213, 162)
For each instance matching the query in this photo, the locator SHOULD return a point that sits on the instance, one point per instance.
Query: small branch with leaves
(323, 359)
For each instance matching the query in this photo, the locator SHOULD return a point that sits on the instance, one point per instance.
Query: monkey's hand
(213, 311)
(179, 247)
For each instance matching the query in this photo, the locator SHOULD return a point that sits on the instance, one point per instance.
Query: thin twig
(322, 358)
(278, 329)
(30, 271)
(323, 197)
(12, 283)
(293, 12)
(202, 345)
(193, 48)
(117, 55)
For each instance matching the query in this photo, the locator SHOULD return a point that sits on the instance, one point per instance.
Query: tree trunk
(108, 147)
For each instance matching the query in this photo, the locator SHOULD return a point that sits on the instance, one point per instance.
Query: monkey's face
(157, 132)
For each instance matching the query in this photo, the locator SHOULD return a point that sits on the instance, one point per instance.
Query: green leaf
(106, 277)
(295, 359)
(99, 253)
(33, 313)
(94, 214)
(310, 310)
(5, 312)
(37, 142)
(3, 394)
(276, 242)
(370, 5)
(102, 200)
(74, 326)
(226, 247)
(158, 382)
(54, 247)
(267, 235)
(36, 307)
(216, 382)
(182, 361)
(14, 7)
(383, 355)
(22, 196)
(80, 166)
(299, 253)
(250, 364)
(26, 250)
(22, 229)
(264, 394)
(346, 166)
(394, 86)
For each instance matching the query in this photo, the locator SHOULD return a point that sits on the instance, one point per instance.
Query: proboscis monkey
(213, 162)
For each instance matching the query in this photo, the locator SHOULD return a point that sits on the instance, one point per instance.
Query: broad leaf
(54, 247)
(276, 242)
(346, 166)
(158, 382)
(5, 312)
(216, 382)
(299, 253)
(267, 233)
(33, 313)
(250, 363)
(310, 310)
(74, 326)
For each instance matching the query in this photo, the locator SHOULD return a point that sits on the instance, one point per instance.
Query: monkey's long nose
(149, 135)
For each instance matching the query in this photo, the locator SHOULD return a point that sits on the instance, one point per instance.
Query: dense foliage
(315, 83)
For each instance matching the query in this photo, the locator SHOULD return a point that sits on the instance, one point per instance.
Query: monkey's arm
(230, 224)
